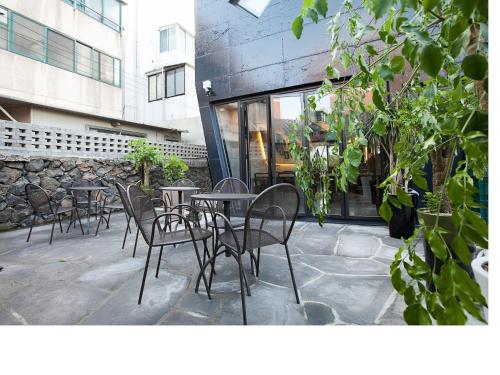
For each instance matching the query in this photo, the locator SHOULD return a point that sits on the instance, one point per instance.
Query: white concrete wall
(142, 21)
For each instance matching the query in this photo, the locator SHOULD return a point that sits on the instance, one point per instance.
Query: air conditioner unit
(3, 16)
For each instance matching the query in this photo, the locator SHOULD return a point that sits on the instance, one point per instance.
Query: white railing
(17, 138)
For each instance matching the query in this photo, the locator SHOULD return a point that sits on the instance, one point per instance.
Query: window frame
(60, 47)
(158, 96)
(99, 17)
(174, 68)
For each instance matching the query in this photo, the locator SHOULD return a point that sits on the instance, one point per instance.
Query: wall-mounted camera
(207, 87)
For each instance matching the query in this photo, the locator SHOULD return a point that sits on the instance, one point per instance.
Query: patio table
(226, 199)
(89, 190)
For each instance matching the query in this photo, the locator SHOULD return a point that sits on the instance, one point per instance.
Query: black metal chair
(269, 220)
(107, 203)
(45, 207)
(238, 209)
(186, 196)
(122, 192)
(148, 222)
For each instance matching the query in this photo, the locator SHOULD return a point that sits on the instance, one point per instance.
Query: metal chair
(269, 220)
(238, 208)
(107, 203)
(186, 196)
(122, 192)
(43, 207)
(148, 222)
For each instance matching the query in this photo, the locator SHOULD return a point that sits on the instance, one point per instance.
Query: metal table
(89, 190)
(226, 198)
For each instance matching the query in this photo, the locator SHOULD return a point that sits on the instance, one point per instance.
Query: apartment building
(61, 64)
(159, 48)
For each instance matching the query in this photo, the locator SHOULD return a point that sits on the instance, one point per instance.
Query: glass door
(256, 124)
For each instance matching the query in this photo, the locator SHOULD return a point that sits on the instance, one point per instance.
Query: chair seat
(180, 236)
(62, 210)
(236, 222)
(255, 239)
(114, 206)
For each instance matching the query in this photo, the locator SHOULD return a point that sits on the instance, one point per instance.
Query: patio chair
(122, 192)
(45, 207)
(269, 220)
(107, 203)
(186, 196)
(148, 223)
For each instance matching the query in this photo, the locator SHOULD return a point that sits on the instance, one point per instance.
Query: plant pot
(428, 219)
(402, 224)
(481, 276)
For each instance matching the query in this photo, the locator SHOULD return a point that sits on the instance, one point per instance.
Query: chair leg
(201, 266)
(209, 262)
(128, 220)
(60, 224)
(126, 232)
(135, 245)
(159, 260)
(145, 274)
(52, 232)
(31, 228)
(70, 221)
(291, 274)
(243, 306)
(79, 221)
(109, 218)
(98, 225)
(251, 262)
(258, 262)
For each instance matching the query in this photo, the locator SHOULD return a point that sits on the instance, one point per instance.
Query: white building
(61, 64)
(159, 47)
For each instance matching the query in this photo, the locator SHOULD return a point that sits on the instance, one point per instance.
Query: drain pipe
(7, 114)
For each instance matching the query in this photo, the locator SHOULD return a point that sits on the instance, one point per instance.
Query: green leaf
(409, 296)
(479, 224)
(475, 66)
(429, 4)
(313, 15)
(298, 26)
(460, 248)
(385, 211)
(345, 57)
(378, 101)
(379, 127)
(386, 73)
(398, 64)
(416, 315)
(371, 50)
(431, 60)
(329, 71)
(467, 284)
(321, 7)
(420, 181)
(409, 51)
(466, 6)
(404, 197)
(393, 201)
(397, 281)
(437, 244)
(380, 7)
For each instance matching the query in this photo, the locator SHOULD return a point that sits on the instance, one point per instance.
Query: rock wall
(57, 175)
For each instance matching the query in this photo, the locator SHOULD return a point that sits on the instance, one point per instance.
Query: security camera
(207, 86)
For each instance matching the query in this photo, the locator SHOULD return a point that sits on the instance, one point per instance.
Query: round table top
(224, 196)
(88, 188)
(180, 188)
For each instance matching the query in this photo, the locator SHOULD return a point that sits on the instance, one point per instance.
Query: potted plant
(425, 64)
(144, 157)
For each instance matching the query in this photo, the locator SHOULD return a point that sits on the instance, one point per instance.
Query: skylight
(254, 7)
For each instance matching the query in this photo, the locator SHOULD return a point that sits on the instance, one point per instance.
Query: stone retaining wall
(56, 175)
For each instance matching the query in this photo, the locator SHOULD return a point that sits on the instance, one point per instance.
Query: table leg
(88, 211)
(227, 213)
(179, 197)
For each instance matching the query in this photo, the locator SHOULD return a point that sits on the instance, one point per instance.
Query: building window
(100, 129)
(155, 88)
(175, 37)
(108, 12)
(60, 50)
(174, 81)
(28, 37)
(227, 117)
(254, 7)
(167, 39)
(4, 17)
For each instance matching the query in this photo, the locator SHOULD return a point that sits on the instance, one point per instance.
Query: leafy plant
(432, 202)
(175, 169)
(144, 157)
(433, 54)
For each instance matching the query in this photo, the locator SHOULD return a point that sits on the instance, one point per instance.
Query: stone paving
(342, 272)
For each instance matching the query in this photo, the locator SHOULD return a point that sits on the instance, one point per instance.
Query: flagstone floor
(342, 272)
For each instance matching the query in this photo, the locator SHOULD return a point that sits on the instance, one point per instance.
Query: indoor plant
(438, 50)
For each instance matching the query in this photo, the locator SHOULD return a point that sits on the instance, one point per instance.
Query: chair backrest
(142, 210)
(232, 185)
(122, 192)
(185, 182)
(274, 211)
(38, 198)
